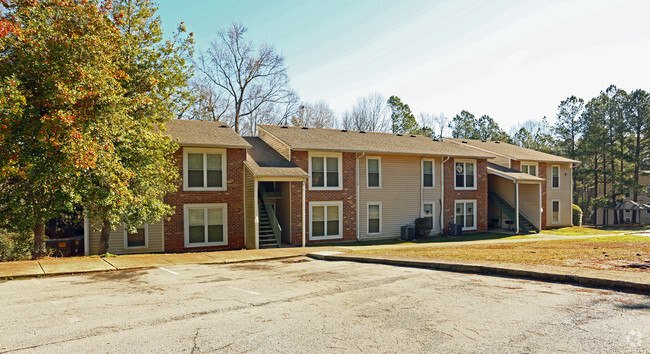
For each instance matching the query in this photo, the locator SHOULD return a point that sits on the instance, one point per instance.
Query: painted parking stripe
(246, 291)
(167, 270)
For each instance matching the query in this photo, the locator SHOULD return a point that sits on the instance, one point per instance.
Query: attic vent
(464, 142)
(361, 132)
(223, 126)
(398, 134)
(284, 127)
(344, 130)
(305, 128)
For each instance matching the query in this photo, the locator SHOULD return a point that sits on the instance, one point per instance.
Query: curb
(592, 282)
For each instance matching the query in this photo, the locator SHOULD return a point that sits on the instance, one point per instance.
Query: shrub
(422, 227)
(15, 247)
(576, 215)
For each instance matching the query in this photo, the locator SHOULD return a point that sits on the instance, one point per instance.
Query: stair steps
(524, 224)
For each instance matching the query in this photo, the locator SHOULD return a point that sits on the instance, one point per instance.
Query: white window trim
(126, 238)
(433, 173)
(559, 176)
(475, 174)
(378, 158)
(325, 155)
(433, 213)
(368, 218)
(326, 237)
(475, 212)
(186, 224)
(204, 151)
(559, 209)
(530, 163)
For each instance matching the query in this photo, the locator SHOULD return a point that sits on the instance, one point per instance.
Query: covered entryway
(514, 200)
(626, 212)
(272, 207)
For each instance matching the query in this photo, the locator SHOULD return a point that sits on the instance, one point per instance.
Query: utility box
(408, 233)
(61, 247)
(455, 229)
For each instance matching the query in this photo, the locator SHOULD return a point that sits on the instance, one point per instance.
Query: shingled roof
(512, 151)
(266, 162)
(317, 139)
(204, 133)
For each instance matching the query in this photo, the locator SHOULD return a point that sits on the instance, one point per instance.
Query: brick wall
(542, 174)
(515, 165)
(233, 196)
(347, 196)
(480, 194)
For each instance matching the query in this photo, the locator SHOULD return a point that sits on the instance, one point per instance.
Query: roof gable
(204, 133)
(510, 151)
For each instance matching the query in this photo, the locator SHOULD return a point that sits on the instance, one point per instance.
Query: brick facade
(347, 195)
(479, 194)
(233, 196)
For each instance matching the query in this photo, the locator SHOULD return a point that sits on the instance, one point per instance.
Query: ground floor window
(136, 239)
(466, 214)
(374, 218)
(326, 220)
(427, 214)
(206, 225)
(555, 208)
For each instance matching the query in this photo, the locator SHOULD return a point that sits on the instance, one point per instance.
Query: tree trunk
(103, 238)
(39, 241)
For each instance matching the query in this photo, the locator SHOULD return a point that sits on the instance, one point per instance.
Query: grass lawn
(585, 231)
(477, 236)
(613, 252)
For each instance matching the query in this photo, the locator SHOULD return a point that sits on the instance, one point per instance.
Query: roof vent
(464, 142)
(223, 126)
(482, 141)
(398, 134)
(497, 142)
(284, 127)
(361, 132)
(412, 136)
(305, 128)
(344, 130)
(434, 139)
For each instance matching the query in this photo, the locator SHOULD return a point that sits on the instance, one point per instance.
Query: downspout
(540, 207)
(86, 234)
(571, 176)
(517, 207)
(304, 222)
(442, 193)
(358, 190)
(422, 184)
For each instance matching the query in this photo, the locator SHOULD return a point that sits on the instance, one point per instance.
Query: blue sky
(512, 60)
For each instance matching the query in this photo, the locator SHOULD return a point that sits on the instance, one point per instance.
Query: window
(647, 192)
(555, 173)
(465, 175)
(427, 213)
(374, 166)
(374, 218)
(556, 211)
(427, 173)
(206, 225)
(466, 214)
(326, 220)
(204, 169)
(138, 238)
(530, 169)
(325, 171)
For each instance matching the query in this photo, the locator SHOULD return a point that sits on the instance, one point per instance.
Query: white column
(540, 207)
(304, 222)
(516, 207)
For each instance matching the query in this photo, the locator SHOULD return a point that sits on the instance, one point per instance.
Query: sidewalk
(636, 282)
(75, 265)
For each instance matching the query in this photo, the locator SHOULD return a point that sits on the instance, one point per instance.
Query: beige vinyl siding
(249, 209)
(116, 240)
(563, 194)
(276, 144)
(399, 195)
(529, 202)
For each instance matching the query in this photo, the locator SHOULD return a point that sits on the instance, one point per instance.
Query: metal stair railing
(275, 224)
(509, 210)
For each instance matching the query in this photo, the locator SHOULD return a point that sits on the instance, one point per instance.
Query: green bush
(422, 227)
(576, 216)
(15, 247)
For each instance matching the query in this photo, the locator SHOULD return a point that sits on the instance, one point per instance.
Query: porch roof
(630, 205)
(511, 174)
(264, 161)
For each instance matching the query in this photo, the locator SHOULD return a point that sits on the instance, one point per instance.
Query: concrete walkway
(74, 265)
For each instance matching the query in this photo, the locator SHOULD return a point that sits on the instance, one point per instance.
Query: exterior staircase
(524, 224)
(267, 236)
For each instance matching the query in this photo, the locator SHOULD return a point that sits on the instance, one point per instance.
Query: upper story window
(374, 172)
(555, 175)
(325, 171)
(427, 173)
(465, 174)
(204, 169)
(529, 168)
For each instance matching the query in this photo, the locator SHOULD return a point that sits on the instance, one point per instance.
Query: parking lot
(304, 305)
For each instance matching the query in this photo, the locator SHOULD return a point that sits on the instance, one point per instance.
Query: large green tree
(567, 127)
(403, 120)
(58, 60)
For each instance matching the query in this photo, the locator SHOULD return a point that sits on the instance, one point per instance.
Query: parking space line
(167, 270)
(246, 291)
